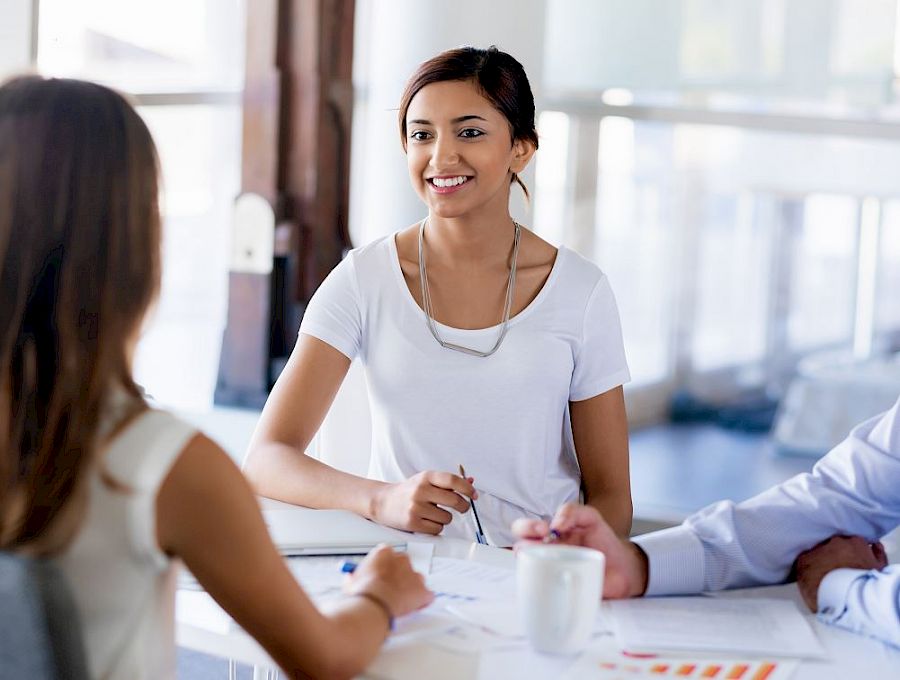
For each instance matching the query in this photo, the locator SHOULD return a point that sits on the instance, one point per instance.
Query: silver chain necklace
(429, 311)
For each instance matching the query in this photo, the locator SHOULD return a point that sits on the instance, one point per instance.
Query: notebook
(331, 532)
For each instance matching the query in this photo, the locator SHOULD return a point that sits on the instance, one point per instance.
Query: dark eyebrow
(461, 119)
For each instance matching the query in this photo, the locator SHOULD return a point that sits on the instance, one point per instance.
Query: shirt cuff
(833, 591)
(675, 560)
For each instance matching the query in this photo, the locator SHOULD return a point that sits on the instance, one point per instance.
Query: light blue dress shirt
(854, 490)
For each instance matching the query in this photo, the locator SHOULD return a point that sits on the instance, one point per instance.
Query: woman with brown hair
(483, 345)
(90, 477)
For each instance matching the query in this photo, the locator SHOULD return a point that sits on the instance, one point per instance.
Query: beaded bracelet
(381, 604)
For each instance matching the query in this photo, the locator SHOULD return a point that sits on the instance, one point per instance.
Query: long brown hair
(499, 77)
(79, 266)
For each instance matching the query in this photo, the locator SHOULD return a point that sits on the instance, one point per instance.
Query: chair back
(40, 635)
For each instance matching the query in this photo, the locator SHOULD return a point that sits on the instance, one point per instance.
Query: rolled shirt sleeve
(675, 561)
(854, 490)
(864, 602)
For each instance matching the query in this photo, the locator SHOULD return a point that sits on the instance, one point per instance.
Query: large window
(735, 169)
(182, 62)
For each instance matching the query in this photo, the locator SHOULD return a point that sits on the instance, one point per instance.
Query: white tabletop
(203, 626)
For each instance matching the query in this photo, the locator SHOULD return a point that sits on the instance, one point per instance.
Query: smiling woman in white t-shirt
(483, 345)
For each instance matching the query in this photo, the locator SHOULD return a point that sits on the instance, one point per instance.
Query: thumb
(880, 555)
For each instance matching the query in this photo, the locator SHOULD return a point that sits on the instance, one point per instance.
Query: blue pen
(479, 533)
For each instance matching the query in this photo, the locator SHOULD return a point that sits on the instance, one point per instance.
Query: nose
(444, 153)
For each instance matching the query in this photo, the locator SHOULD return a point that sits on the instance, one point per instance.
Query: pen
(552, 537)
(479, 534)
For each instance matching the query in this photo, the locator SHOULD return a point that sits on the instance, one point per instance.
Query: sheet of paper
(464, 638)
(502, 617)
(465, 580)
(620, 667)
(426, 623)
(322, 575)
(755, 627)
(420, 554)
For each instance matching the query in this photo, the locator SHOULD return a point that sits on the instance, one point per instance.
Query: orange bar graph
(764, 671)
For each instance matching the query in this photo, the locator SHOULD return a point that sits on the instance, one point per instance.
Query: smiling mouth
(448, 184)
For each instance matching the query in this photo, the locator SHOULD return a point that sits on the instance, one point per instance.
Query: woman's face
(459, 150)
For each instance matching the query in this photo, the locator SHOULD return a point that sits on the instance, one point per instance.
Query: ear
(523, 150)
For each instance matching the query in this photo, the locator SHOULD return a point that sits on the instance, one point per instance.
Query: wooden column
(296, 153)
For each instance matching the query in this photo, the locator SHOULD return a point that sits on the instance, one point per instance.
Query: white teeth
(448, 181)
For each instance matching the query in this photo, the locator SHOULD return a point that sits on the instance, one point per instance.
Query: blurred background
(732, 165)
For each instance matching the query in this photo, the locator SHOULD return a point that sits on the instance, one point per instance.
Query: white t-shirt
(504, 417)
(122, 583)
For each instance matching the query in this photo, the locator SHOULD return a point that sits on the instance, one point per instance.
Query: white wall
(15, 36)
(392, 38)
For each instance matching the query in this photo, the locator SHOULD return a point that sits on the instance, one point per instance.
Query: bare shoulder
(203, 486)
(202, 461)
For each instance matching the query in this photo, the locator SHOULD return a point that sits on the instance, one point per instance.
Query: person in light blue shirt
(823, 527)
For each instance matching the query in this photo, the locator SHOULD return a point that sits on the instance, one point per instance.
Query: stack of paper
(704, 624)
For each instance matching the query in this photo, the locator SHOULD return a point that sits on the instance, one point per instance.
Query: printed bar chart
(714, 669)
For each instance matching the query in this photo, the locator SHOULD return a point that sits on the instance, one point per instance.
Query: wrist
(641, 570)
(373, 500)
(379, 602)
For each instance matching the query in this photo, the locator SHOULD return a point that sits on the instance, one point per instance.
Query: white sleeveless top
(123, 584)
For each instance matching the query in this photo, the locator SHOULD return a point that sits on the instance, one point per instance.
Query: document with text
(704, 624)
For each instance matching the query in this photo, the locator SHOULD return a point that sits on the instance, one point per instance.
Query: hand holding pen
(386, 578)
(479, 532)
(582, 525)
(417, 503)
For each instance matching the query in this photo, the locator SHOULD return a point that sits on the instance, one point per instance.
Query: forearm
(282, 472)
(616, 508)
(349, 638)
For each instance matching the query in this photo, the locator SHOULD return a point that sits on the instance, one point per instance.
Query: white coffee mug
(559, 589)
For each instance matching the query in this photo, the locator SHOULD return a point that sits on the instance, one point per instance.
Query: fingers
(880, 555)
(431, 512)
(422, 525)
(447, 480)
(573, 516)
(439, 496)
(530, 529)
